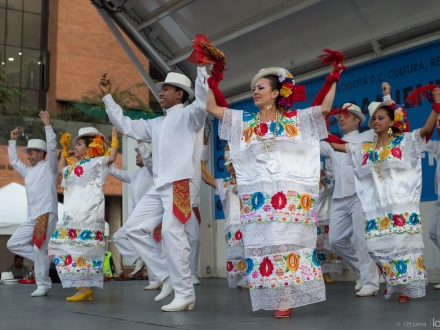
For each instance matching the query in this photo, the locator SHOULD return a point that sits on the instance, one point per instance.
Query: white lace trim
(382, 206)
(395, 243)
(234, 252)
(289, 297)
(270, 186)
(331, 267)
(237, 280)
(412, 289)
(266, 235)
(81, 280)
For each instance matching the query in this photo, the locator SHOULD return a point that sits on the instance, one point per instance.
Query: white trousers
(156, 207)
(434, 229)
(129, 252)
(192, 229)
(348, 220)
(21, 244)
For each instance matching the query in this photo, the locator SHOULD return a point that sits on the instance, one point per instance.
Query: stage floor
(126, 305)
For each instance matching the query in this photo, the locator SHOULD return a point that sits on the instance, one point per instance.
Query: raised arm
(432, 119)
(209, 181)
(14, 160)
(115, 146)
(121, 175)
(205, 151)
(212, 107)
(136, 129)
(197, 109)
(51, 140)
(338, 147)
(328, 99)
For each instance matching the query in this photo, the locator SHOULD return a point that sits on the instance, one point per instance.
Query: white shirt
(176, 139)
(140, 180)
(433, 147)
(205, 154)
(343, 171)
(40, 180)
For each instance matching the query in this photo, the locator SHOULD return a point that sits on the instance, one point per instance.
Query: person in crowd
(18, 269)
(388, 179)
(31, 239)
(177, 140)
(276, 158)
(77, 246)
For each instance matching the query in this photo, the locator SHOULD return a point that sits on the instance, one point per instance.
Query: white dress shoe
(358, 285)
(153, 286)
(365, 292)
(195, 280)
(167, 290)
(381, 279)
(178, 305)
(437, 287)
(140, 264)
(40, 292)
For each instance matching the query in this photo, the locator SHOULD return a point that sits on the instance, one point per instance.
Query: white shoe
(358, 285)
(40, 292)
(167, 290)
(178, 305)
(195, 280)
(365, 292)
(381, 280)
(140, 264)
(437, 287)
(153, 286)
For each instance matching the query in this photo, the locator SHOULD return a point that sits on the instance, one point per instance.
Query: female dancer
(227, 190)
(77, 245)
(277, 163)
(388, 178)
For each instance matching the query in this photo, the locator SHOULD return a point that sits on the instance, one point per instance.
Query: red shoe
(281, 314)
(385, 291)
(402, 298)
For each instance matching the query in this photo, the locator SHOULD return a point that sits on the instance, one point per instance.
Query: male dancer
(347, 218)
(177, 145)
(140, 182)
(42, 202)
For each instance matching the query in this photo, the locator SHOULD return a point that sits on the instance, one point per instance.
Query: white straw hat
(355, 110)
(273, 71)
(86, 131)
(35, 144)
(178, 80)
(373, 107)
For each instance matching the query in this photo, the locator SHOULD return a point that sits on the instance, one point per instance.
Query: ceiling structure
(255, 34)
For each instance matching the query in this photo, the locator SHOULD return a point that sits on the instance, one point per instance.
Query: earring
(269, 107)
(86, 157)
(390, 132)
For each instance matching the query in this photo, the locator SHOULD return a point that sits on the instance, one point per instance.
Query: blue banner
(361, 85)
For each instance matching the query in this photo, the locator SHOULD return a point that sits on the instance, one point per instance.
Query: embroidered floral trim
(287, 126)
(78, 264)
(403, 271)
(397, 223)
(80, 234)
(328, 256)
(234, 238)
(324, 181)
(287, 206)
(283, 270)
(392, 151)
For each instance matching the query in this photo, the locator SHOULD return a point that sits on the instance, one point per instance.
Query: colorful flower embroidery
(306, 202)
(279, 201)
(292, 262)
(266, 267)
(420, 264)
(249, 265)
(257, 200)
(393, 224)
(392, 151)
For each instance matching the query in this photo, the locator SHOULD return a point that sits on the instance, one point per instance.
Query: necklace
(378, 162)
(272, 143)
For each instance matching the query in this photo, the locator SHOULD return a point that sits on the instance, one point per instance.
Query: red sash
(40, 229)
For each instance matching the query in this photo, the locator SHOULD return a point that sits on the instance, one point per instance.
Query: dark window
(30, 69)
(33, 6)
(15, 4)
(31, 30)
(13, 27)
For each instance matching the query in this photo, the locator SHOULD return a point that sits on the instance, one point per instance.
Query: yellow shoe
(327, 278)
(83, 295)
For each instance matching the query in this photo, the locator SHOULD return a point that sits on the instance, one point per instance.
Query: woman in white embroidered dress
(329, 260)
(227, 190)
(277, 163)
(388, 178)
(77, 245)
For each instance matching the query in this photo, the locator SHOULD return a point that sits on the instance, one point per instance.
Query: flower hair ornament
(290, 93)
(401, 121)
(96, 147)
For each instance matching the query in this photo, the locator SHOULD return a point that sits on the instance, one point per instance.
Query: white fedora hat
(35, 144)
(273, 71)
(7, 277)
(178, 80)
(373, 107)
(86, 131)
(355, 110)
(147, 145)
